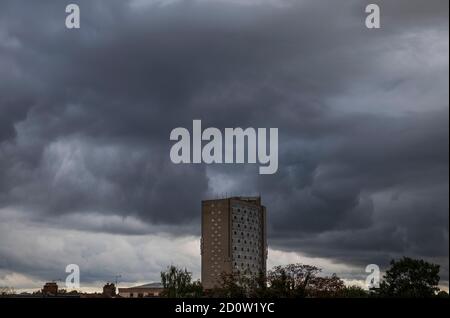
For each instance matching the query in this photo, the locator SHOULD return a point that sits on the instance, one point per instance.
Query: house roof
(149, 285)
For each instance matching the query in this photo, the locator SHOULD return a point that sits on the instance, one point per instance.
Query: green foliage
(195, 290)
(405, 278)
(410, 278)
(178, 283)
(442, 294)
(300, 280)
(6, 291)
(234, 285)
(290, 281)
(354, 292)
(325, 287)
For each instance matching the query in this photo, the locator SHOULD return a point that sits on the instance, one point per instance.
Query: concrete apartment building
(234, 238)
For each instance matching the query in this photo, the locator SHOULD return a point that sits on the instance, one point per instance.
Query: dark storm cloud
(363, 117)
(374, 192)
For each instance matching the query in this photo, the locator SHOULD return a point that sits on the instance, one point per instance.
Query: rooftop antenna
(116, 279)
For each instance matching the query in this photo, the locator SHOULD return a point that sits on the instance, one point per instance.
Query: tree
(353, 292)
(178, 283)
(195, 290)
(328, 286)
(442, 294)
(259, 286)
(291, 281)
(6, 291)
(231, 285)
(409, 277)
(300, 280)
(242, 284)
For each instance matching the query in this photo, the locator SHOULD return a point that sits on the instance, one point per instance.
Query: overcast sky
(85, 118)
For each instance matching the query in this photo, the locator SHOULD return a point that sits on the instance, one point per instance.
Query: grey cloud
(363, 115)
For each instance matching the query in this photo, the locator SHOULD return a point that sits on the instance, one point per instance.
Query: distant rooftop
(149, 285)
(253, 199)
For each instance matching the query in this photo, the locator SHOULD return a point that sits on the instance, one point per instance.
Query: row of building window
(236, 264)
(252, 220)
(250, 242)
(247, 267)
(253, 235)
(248, 250)
(247, 257)
(239, 225)
(244, 211)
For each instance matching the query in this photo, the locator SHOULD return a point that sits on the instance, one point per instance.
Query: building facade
(147, 290)
(234, 238)
(50, 289)
(109, 290)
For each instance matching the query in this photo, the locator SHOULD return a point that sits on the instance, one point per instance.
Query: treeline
(405, 278)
